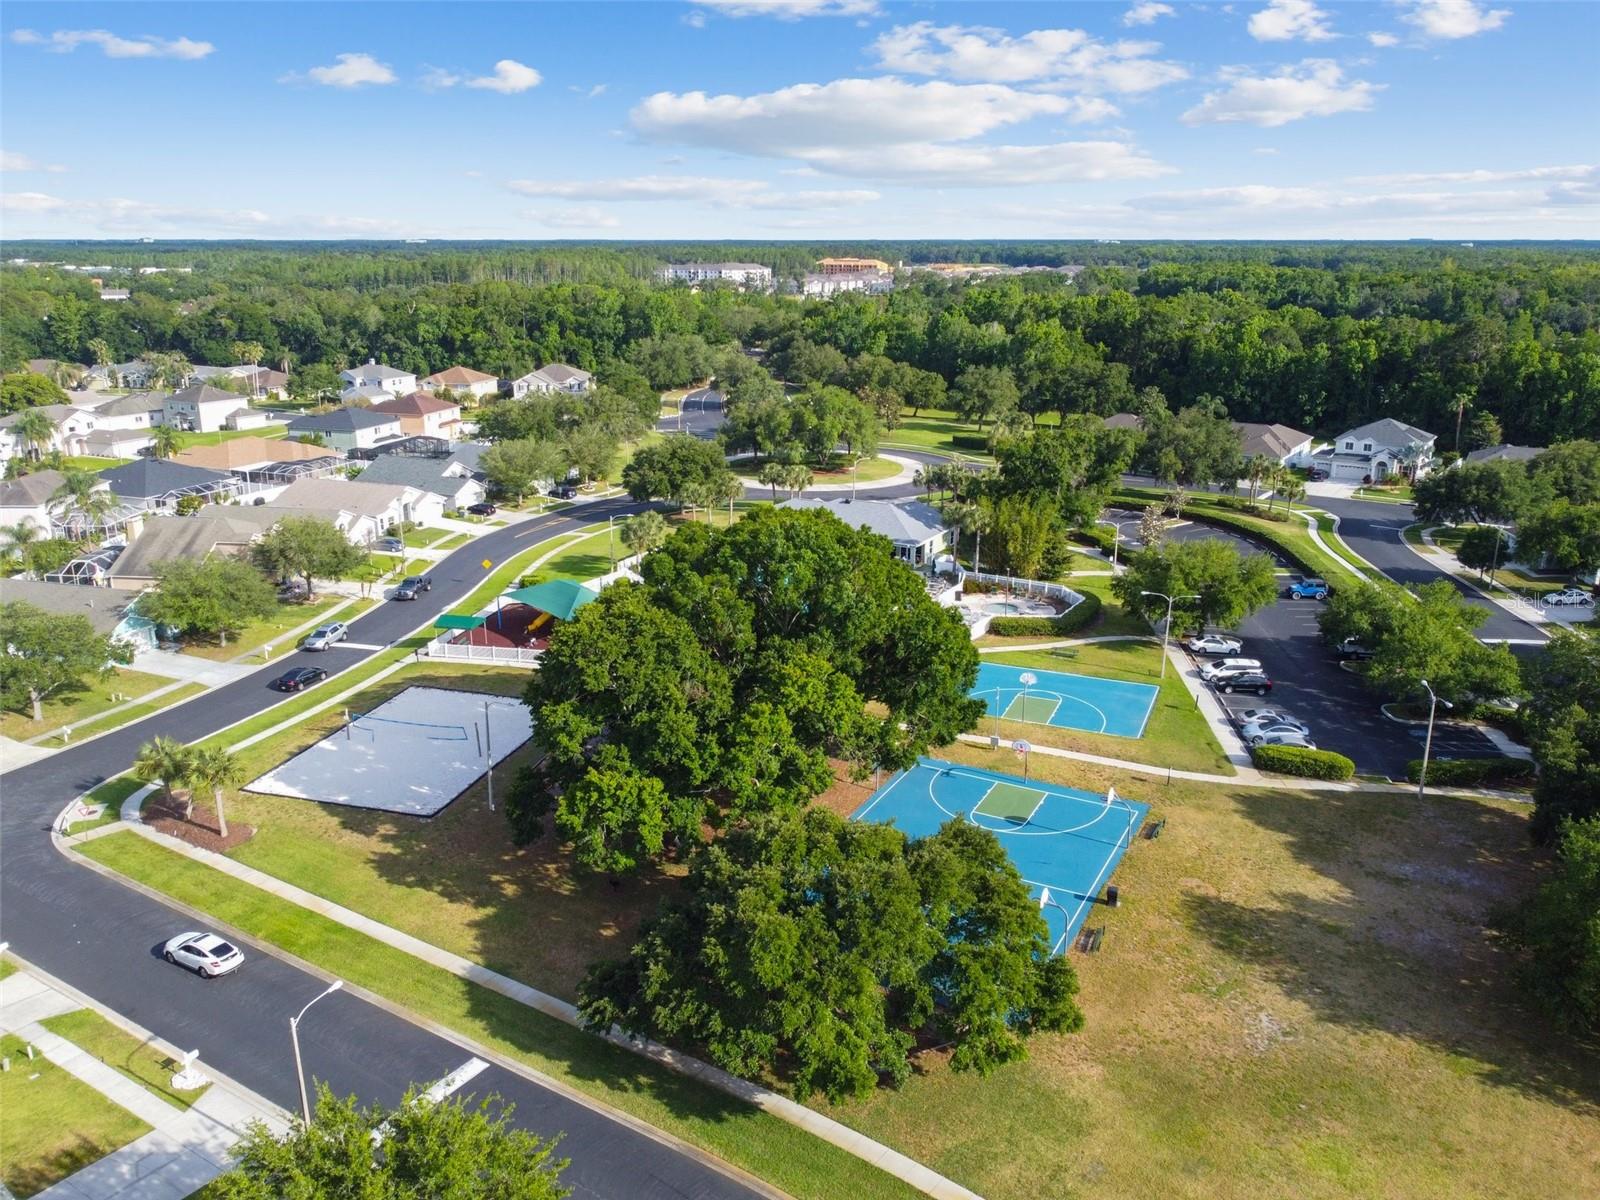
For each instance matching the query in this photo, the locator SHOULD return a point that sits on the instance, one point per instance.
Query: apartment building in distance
(745, 275)
(852, 266)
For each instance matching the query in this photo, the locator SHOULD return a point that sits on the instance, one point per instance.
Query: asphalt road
(102, 937)
(702, 415)
(1372, 530)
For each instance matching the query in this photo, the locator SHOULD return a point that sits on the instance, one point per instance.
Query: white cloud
(12, 161)
(353, 71)
(1146, 12)
(436, 79)
(1265, 150)
(1062, 56)
(588, 93)
(145, 45)
(792, 10)
(119, 215)
(1288, 20)
(1481, 175)
(510, 77)
(583, 217)
(929, 164)
(725, 193)
(1452, 18)
(1316, 88)
(1383, 40)
(797, 120)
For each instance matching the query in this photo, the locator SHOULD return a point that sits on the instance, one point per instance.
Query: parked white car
(1259, 729)
(1214, 643)
(206, 954)
(1217, 668)
(1571, 595)
(1298, 740)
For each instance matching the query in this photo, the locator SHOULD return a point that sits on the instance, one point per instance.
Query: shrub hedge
(1307, 764)
(1100, 539)
(1068, 622)
(1470, 771)
(970, 441)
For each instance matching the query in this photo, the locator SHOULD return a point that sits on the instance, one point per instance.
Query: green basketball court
(1037, 709)
(1011, 802)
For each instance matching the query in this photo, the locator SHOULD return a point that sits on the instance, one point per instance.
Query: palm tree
(167, 369)
(1292, 488)
(645, 532)
(65, 374)
(797, 477)
(100, 350)
(961, 516)
(252, 353)
(34, 431)
(169, 761)
(17, 538)
(980, 520)
(80, 500)
(772, 474)
(213, 767)
(1258, 469)
(165, 440)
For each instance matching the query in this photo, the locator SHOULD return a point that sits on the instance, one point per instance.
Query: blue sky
(802, 119)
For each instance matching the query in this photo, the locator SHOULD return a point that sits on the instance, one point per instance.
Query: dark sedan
(299, 679)
(485, 509)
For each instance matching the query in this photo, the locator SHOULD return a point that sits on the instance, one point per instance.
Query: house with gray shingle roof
(1505, 453)
(441, 476)
(349, 429)
(1377, 450)
(376, 374)
(915, 528)
(155, 483)
(553, 377)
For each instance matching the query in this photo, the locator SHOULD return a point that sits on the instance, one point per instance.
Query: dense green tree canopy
(44, 654)
(1562, 717)
(310, 547)
(22, 390)
(820, 948)
(213, 596)
(418, 1150)
(674, 468)
(1558, 929)
(1229, 585)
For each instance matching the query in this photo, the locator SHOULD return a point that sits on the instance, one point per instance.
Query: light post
(1166, 630)
(1116, 542)
(1427, 745)
(294, 1036)
(611, 535)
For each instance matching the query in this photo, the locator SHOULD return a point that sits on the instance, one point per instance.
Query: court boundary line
(1150, 705)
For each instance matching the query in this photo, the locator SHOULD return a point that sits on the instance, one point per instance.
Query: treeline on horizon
(1314, 335)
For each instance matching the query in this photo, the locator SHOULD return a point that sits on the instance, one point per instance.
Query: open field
(1297, 997)
(122, 1052)
(51, 1124)
(70, 708)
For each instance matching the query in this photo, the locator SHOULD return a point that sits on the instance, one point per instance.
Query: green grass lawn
(7, 967)
(259, 633)
(1399, 493)
(187, 439)
(52, 1124)
(71, 708)
(122, 1052)
(88, 462)
(789, 1158)
(1176, 735)
(454, 542)
(421, 539)
(586, 558)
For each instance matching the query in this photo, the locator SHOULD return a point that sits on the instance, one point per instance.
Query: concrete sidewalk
(185, 1148)
(1517, 605)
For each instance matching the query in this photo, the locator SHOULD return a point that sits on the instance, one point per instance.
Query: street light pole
(294, 1036)
(1166, 630)
(1116, 542)
(1427, 745)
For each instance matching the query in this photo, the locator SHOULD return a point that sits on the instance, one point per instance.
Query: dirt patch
(845, 795)
(166, 816)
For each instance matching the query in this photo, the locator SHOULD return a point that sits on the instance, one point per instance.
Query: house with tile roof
(423, 414)
(463, 381)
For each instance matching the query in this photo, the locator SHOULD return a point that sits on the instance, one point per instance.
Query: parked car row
(1271, 727)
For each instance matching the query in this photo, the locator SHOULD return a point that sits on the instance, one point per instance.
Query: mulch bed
(200, 830)
(844, 796)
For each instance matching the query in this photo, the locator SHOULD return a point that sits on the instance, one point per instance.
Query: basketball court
(1087, 702)
(1065, 842)
(413, 754)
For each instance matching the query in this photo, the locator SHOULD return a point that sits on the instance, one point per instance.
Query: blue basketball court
(1085, 702)
(1063, 840)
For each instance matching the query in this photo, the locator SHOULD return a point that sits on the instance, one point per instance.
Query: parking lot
(1308, 683)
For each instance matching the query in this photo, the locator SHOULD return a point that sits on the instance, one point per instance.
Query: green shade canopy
(451, 621)
(558, 597)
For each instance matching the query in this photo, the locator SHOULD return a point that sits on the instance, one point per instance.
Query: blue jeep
(1308, 589)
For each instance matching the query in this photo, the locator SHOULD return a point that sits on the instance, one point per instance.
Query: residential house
(227, 529)
(916, 529)
(746, 275)
(1123, 420)
(1377, 451)
(134, 374)
(454, 481)
(113, 293)
(262, 381)
(26, 500)
(553, 377)
(375, 374)
(156, 484)
(202, 408)
(1285, 446)
(109, 611)
(363, 511)
(137, 411)
(264, 466)
(349, 429)
(1504, 453)
(364, 394)
(870, 282)
(423, 414)
(463, 381)
(69, 427)
(118, 443)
